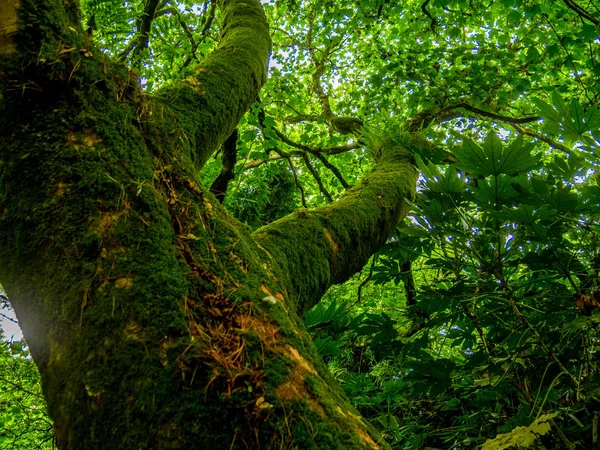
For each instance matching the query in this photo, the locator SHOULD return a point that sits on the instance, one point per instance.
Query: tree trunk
(155, 318)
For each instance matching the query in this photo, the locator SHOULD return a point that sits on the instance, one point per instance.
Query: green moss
(131, 281)
(328, 245)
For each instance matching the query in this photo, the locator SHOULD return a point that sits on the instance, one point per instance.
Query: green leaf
(547, 111)
(495, 159)
(577, 115)
(533, 55)
(592, 118)
(498, 190)
(560, 106)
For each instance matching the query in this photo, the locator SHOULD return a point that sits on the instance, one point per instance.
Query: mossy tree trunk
(155, 318)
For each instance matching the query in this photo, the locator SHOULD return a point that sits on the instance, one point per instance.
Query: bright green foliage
(24, 423)
(521, 437)
(507, 312)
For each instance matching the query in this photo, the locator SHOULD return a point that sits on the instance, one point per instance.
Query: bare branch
(581, 12)
(140, 41)
(542, 138)
(331, 167)
(317, 178)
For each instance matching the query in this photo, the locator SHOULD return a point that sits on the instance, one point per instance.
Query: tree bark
(155, 318)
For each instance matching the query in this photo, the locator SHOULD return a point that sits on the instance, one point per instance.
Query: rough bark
(155, 318)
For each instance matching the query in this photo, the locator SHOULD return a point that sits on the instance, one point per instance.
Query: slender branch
(206, 24)
(295, 153)
(362, 284)
(10, 319)
(319, 70)
(447, 114)
(342, 125)
(208, 21)
(331, 167)
(20, 388)
(505, 119)
(304, 149)
(302, 118)
(317, 178)
(428, 14)
(295, 175)
(229, 158)
(328, 150)
(140, 41)
(542, 138)
(580, 11)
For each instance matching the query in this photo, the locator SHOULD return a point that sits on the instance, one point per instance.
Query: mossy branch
(325, 246)
(211, 103)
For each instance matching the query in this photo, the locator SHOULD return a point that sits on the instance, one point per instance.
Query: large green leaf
(494, 158)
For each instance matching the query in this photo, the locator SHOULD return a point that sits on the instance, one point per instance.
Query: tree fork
(156, 319)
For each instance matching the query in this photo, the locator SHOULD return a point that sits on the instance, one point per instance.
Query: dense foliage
(23, 420)
(480, 316)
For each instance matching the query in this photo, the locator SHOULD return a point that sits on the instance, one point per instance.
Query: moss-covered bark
(315, 249)
(155, 318)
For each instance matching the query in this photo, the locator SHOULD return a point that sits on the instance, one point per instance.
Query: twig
(362, 284)
(581, 12)
(428, 14)
(331, 167)
(317, 178)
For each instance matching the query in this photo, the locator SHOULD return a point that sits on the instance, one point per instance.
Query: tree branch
(229, 158)
(428, 14)
(512, 121)
(296, 153)
(206, 24)
(505, 119)
(210, 104)
(342, 125)
(302, 118)
(139, 43)
(331, 167)
(328, 245)
(317, 178)
(303, 154)
(580, 11)
(542, 138)
(295, 175)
